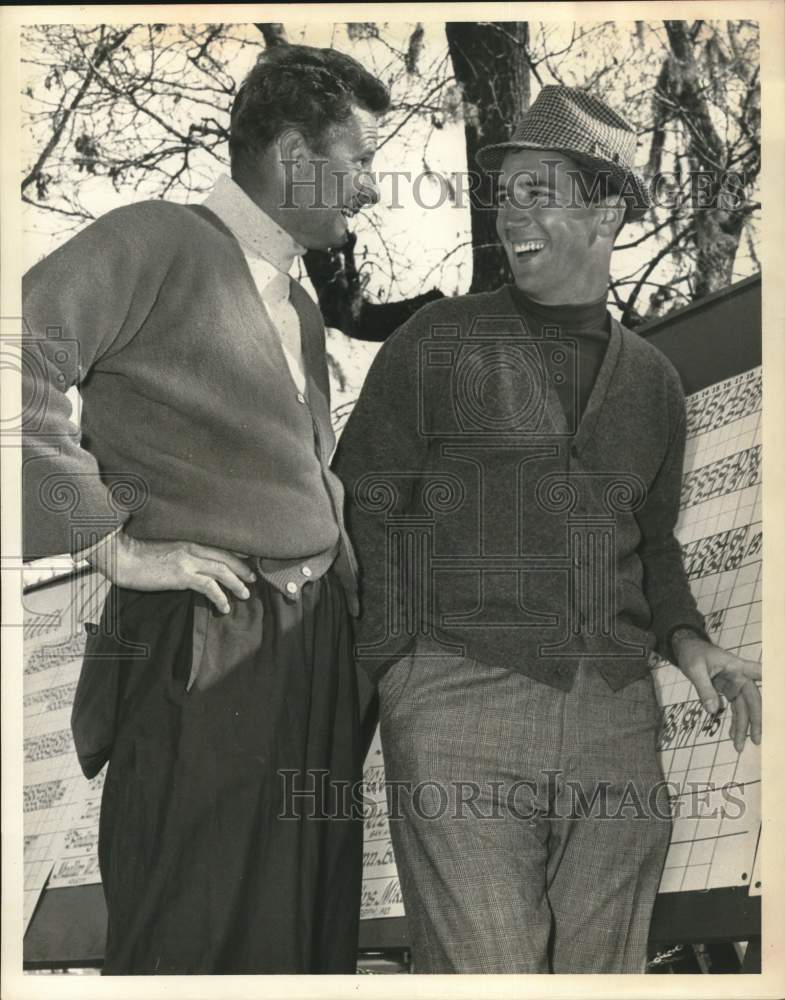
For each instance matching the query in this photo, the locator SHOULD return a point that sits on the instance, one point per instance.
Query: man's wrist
(85, 553)
(681, 636)
(98, 555)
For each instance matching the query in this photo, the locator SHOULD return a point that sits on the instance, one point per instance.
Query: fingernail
(245, 592)
(226, 609)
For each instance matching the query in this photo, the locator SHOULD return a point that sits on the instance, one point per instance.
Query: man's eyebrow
(527, 176)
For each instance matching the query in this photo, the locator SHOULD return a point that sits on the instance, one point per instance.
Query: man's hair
(297, 86)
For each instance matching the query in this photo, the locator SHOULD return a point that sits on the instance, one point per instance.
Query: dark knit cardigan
(488, 527)
(192, 428)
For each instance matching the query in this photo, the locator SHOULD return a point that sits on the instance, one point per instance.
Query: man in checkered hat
(513, 469)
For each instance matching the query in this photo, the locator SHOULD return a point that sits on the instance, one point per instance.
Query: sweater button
(291, 587)
(306, 571)
(300, 397)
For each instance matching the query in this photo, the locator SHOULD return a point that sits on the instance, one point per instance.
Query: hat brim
(633, 185)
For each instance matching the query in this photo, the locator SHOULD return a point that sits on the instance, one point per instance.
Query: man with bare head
(220, 685)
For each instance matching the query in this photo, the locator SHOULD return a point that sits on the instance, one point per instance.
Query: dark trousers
(222, 849)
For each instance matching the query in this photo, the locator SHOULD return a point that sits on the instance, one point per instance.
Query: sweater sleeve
(379, 458)
(81, 302)
(665, 581)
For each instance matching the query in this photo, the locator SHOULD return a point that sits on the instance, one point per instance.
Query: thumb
(707, 693)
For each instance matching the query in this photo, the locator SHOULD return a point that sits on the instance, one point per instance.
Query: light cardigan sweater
(479, 518)
(192, 428)
(270, 252)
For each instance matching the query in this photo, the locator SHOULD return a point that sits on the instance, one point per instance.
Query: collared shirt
(270, 252)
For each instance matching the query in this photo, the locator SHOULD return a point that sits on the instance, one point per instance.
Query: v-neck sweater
(583, 329)
(192, 428)
(486, 526)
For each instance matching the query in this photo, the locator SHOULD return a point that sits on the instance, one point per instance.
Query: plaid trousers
(530, 825)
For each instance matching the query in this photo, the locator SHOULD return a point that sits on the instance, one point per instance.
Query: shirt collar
(254, 230)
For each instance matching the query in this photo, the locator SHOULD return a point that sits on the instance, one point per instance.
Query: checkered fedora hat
(574, 122)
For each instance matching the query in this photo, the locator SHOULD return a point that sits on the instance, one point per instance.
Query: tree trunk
(720, 204)
(274, 33)
(490, 64)
(335, 277)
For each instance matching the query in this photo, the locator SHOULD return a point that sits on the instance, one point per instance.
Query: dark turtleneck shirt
(588, 325)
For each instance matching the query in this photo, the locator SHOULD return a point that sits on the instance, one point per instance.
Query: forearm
(672, 603)
(665, 580)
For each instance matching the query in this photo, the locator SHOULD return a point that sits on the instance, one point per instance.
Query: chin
(526, 282)
(527, 278)
(333, 240)
(341, 239)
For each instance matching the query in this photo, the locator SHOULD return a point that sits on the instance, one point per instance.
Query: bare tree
(108, 42)
(146, 107)
(492, 66)
(709, 88)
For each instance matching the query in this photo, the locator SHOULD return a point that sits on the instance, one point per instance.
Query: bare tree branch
(102, 52)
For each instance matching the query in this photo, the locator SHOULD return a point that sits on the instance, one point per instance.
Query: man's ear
(612, 212)
(292, 147)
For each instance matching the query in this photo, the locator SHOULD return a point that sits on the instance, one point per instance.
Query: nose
(514, 217)
(521, 206)
(368, 193)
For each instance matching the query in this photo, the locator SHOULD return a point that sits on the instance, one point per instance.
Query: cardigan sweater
(587, 324)
(270, 252)
(486, 526)
(192, 428)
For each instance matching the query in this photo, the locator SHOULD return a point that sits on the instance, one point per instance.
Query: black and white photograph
(386, 458)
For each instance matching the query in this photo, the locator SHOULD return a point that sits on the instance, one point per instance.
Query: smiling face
(558, 248)
(325, 186)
